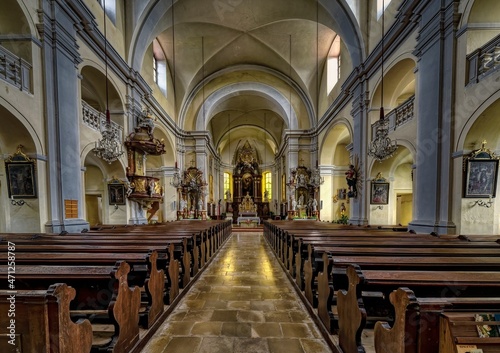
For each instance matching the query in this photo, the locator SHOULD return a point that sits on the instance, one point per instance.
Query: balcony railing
(15, 70)
(97, 120)
(398, 116)
(484, 61)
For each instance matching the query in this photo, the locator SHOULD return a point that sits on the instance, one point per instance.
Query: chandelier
(109, 147)
(382, 147)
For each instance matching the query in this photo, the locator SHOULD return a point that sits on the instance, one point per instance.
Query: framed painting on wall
(21, 176)
(480, 173)
(379, 194)
(116, 193)
(481, 178)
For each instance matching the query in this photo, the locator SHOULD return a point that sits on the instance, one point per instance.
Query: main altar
(247, 198)
(248, 211)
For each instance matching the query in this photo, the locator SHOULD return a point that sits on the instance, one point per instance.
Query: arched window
(227, 186)
(268, 186)
(380, 4)
(333, 68)
(110, 9)
(159, 67)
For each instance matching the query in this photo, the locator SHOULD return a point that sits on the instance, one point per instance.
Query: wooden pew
(66, 246)
(460, 328)
(424, 284)
(101, 288)
(42, 322)
(417, 327)
(376, 251)
(105, 244)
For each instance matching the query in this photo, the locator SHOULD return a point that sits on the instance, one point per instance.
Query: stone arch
(326, 139)
(475, 116)
(38, 145)
(285, 109)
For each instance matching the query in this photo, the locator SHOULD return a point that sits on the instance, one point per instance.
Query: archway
(28, 214)
(334, 161)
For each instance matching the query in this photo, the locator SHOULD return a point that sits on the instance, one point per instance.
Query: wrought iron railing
(15, 70)
(398, 116)
(484, 61)
(97, 120)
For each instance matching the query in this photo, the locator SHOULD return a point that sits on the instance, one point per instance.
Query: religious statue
(314, 205)
(352, 178)
(228, 195)
(294, 204)
(130, 188)
(200, 204)
(301, 199)
(302, 179)
(183, 204)
(342, 209)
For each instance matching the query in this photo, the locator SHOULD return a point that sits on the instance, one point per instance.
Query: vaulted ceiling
(280, 44)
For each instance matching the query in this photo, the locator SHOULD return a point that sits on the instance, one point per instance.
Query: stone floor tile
(267, 329)
(198, 315)
(206, 329)
(192, 304)
(277, 316)
(180, 344)
(296, 330)
(239, 304)
(250, 316)
(216, 345)
(315, 346)
(176, 329)
(224, 315)
(282, 345)
(250, 345)
(236, 329)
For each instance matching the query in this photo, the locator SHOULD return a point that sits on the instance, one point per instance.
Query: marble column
(61, 58)
(436, 51)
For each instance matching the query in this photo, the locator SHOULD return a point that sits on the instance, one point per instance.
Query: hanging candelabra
(382, 147)
(109, 148)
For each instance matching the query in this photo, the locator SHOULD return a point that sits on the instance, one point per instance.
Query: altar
(247, 211)
(248, 220)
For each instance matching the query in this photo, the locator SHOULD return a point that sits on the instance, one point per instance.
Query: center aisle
(243, 302)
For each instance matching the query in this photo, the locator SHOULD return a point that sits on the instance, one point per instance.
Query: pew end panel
(402, 337)
(352, 314)
(43, 323)
(124, 311)
(325, 294)
(155, 288)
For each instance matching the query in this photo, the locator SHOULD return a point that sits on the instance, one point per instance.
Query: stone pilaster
(358, 209)
(436, 51)
(60, 56)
